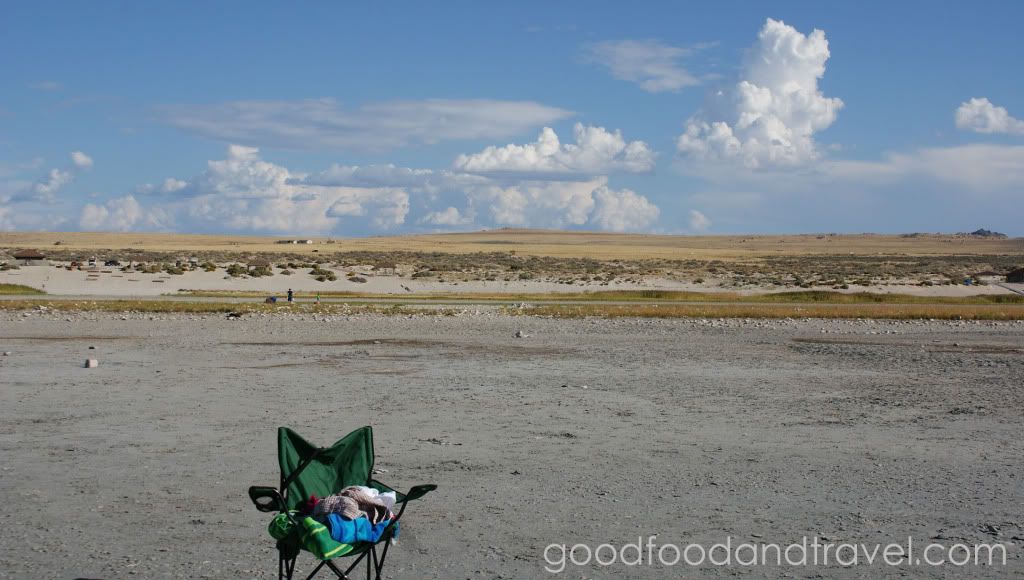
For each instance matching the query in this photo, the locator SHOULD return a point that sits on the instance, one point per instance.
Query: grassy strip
(799, 297)
(871, 311)
(19, 289)
(876, 311)
(166, 306)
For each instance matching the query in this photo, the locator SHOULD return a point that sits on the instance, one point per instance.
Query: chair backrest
(348, 462)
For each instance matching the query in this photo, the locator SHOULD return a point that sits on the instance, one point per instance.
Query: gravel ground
(582, 431)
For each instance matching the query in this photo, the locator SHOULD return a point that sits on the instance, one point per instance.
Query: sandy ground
(112, 282)
(585, 431)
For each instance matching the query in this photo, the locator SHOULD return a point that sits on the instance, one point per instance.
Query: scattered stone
(521, 334)
(437, 441)
(92, 348)
(233, 315)
(91, 363)
(7, 353)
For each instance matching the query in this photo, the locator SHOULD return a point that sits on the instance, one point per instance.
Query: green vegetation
(260, 271)
(662, 296)
(16, 289)
(676, 310)
(169, 306)
(869, 311)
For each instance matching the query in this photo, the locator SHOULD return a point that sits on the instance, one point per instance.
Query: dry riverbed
(581, 431)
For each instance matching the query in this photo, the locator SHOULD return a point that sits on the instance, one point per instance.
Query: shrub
(261, 271)
(209, 266)
(358, 279)
(236, 270)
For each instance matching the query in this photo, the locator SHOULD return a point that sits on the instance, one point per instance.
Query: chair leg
(350, 568)
(337, 572)
(285, 566)
(379, 564)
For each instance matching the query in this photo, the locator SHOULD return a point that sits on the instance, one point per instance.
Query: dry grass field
(603, 246)
(537, 261)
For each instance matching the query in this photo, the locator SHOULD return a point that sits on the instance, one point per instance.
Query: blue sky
(329, 118)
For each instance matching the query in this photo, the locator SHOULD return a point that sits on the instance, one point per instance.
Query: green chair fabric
(308, 470)
(348, 462)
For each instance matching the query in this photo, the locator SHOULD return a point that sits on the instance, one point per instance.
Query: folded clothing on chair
(313, 536)
(351, 531)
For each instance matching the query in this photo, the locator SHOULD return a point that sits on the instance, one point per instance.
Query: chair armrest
(267, 499)
(418, 491)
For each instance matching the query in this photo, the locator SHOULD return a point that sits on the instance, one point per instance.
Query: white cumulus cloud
(245, 193)
(653, 65)
(449, 216)
(981, 116)
(596, 151)
(170, 185)
(770, 116)
(698, 221)
(622, 210)
(562, 204)
(81, 160)
(116, 215)
(45, 188)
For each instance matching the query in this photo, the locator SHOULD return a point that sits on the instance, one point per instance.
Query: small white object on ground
(91, 363)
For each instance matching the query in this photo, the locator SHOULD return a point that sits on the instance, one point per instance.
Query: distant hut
(1016, 276)
(29, 258)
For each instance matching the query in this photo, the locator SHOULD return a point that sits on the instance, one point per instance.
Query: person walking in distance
(291, 296)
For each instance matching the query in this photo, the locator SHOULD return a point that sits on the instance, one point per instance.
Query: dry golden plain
(563, 244)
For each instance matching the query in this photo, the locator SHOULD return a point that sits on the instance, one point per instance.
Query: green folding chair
(309, 470)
